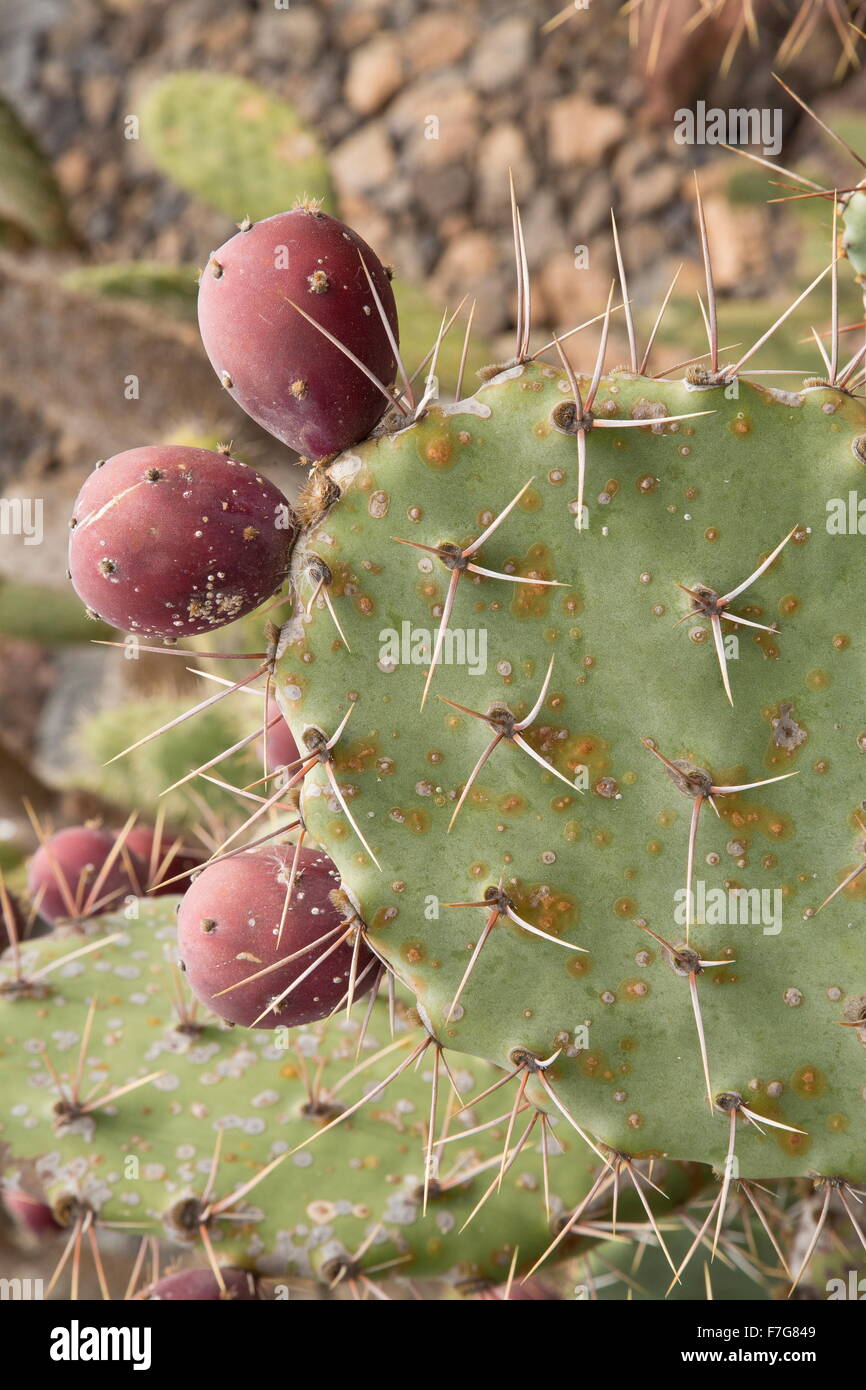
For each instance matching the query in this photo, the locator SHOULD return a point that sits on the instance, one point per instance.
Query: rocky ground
(570, 111)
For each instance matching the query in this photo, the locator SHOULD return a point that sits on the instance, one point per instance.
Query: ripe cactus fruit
(169, 540)
(264, 944)
(83, 872)
(29, 1214)
(202, 1285)
(272, 302)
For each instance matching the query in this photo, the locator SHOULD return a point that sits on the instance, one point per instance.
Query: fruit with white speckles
(169, 540)
(279, 367)
(281, 964)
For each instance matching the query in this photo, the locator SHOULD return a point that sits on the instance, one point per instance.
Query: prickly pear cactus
(32, 206)
(231, 143)
(572, 672)
(543, 801)
(128, 1109)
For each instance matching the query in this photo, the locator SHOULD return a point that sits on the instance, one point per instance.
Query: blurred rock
(593, 201)
(643, 245)
(503, 149)
(99, 92)
(445, 190)
(543, 228)
(571, 295)
(292, 37)
(357, 22)
(375, 74)
(73, 170)
(470, 266)
(436, 40)
(365, 215)
(645, 181)
(438, 121)
(741, 243)
(364, 161)
(580, 132)
(502, 53)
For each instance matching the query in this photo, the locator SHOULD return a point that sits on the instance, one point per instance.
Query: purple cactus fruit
(200, 1286)
(64, 875)
(285, 373)
(228, 927)
(281, 747)
(28, 1213)
(169, 540)
(142, 841)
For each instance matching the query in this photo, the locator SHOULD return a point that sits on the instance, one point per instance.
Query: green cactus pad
(229, 142)
(31, 201)
(140, 779)
(139, 1160)
(701, 501)
(168, 289)
(53, 617)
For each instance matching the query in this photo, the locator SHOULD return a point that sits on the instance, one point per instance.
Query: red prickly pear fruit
(28, 1213)
(228, 926)
(64, 875)
(200, 1286)
(168, 540)
(281, 369)
(281, 749)
(142, 841)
